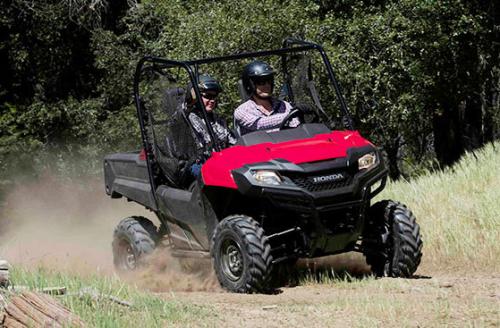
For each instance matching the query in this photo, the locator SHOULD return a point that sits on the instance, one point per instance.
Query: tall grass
(458, 210)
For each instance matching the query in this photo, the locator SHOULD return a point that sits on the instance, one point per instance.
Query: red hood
(217, 169)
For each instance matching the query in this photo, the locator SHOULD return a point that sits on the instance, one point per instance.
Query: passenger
(262, 111)
(209, 89)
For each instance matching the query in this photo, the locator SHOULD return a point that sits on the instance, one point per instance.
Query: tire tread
(406, 253)
(257, 247)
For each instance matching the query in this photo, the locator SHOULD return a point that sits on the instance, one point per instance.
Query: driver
(262, 111)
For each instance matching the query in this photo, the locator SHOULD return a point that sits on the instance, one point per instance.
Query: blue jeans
(196, 169)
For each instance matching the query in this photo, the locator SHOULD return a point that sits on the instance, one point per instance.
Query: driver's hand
(295, 122)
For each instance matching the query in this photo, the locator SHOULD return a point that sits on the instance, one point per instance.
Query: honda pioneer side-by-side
(274, 197)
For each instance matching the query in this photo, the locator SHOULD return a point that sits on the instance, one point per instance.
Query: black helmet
(205, 83)
(208, 83)
(254, 70)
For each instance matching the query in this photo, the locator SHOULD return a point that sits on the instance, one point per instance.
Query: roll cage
(290, 46)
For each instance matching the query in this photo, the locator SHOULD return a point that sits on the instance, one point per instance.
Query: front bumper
(299, 193)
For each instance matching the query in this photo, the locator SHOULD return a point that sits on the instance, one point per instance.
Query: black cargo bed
(125, 174)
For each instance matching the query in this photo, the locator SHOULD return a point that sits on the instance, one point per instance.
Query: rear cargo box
(126, 175)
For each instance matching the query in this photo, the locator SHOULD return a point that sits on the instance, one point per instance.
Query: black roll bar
(300, 46)
(141, 114)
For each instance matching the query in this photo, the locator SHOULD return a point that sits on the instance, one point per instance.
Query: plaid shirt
(224, 137)
(250, 118)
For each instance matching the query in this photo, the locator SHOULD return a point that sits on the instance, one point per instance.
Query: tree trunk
(492, 104)
(393, 156)
(473, 122)
(448, 143)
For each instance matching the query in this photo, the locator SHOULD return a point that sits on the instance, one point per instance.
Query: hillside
(459, 212)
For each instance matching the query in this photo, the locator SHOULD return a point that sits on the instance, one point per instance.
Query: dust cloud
(67, 226)
(165, 273)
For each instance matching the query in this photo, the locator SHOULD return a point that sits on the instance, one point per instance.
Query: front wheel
(392, 243)
(133, 239)
(242, 255)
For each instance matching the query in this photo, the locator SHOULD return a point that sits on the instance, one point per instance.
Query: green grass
(148, 310)
(458, 210)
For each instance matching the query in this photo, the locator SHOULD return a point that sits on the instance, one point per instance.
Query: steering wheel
(300, 114)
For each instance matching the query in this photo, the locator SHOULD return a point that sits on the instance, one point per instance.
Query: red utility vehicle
(273, 198)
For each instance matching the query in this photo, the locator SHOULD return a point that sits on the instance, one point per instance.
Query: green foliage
(403, 64)
(421, 77)
(208, 29)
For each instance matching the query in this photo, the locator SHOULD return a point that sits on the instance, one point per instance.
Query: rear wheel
(242, 255)
(392, 243)
(134, 238)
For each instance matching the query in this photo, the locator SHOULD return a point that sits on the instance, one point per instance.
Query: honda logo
(328, 178)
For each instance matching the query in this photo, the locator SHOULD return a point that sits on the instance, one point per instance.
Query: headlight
(367, 161)
(267, 177)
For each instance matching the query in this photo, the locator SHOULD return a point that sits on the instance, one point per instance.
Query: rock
(4, 273)
(445, 285)
(4, 265)
(269, 307)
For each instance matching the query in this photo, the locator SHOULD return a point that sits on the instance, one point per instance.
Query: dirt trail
(428, 302)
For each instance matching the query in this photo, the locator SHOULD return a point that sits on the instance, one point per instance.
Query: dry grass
(458, 210)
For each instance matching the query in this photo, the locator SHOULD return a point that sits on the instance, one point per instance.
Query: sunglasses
(263, 81)
(209, 96)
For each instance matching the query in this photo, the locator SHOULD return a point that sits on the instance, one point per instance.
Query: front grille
(320, 182)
